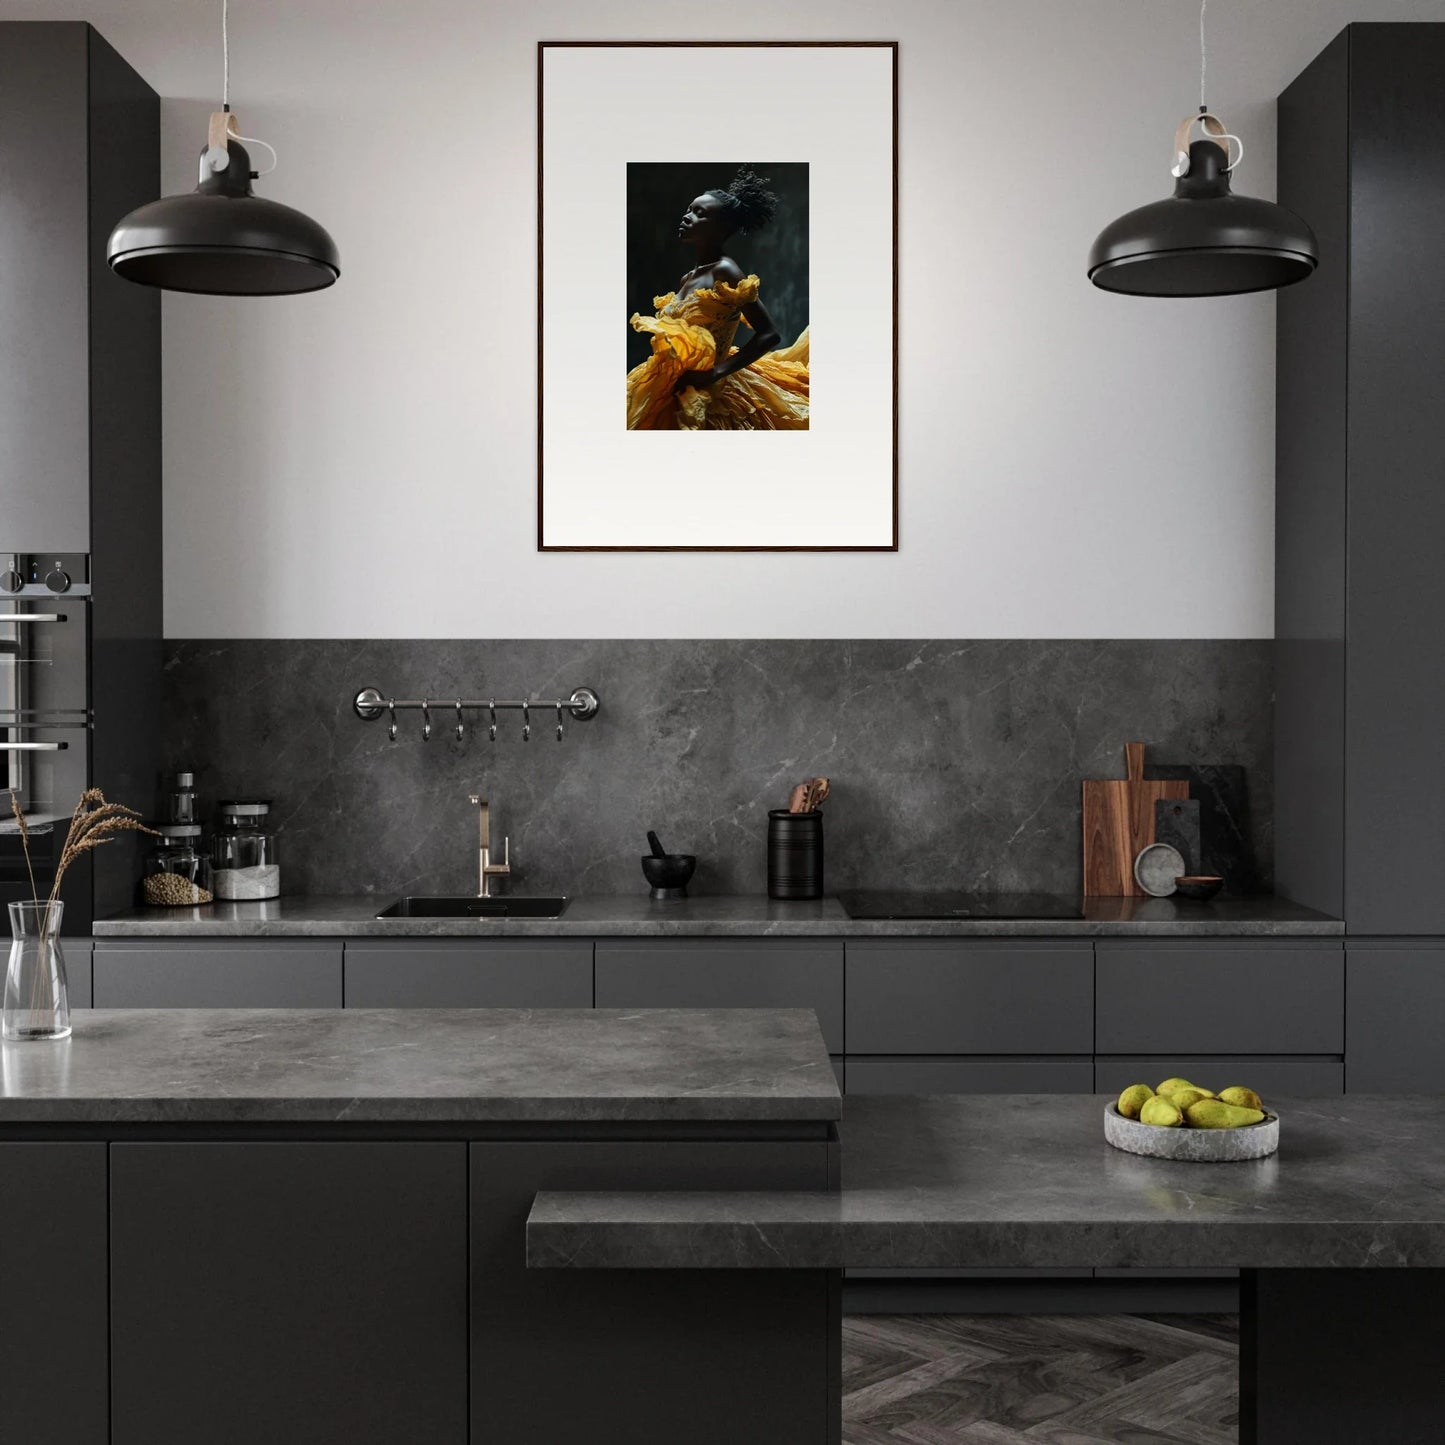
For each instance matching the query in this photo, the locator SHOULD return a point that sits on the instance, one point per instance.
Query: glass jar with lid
(178, 870)
(243, 852)
(178, 798)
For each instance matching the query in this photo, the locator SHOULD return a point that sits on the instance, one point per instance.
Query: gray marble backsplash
(954, 764)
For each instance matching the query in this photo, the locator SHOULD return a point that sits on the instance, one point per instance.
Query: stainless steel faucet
(486, 869)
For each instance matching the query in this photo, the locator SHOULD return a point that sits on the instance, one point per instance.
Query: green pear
(1215, 1114)
(1160, 1111)
(1244, 1098)
(1133, 1099)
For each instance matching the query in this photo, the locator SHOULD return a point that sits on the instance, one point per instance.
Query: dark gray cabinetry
(77, 970)
(80, 387)
(947, 996)
(306, 1293)
(460, 973)
(53, 1299)
(758, 1363)
(1396, 1017)
(1269, 1014)
(970, 1076)
(1360, 510)
(707, 973)
(1167, 997)
(236, 973)
(80, 417)
(44, 295)
(1270, 1074)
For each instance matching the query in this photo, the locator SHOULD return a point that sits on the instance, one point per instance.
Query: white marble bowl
(1198, 1146)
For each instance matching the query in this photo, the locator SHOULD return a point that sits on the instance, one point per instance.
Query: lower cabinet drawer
(510, 973)
(299, 973)
(702, 973)
(1396, 1017)
(954, 997)
(970, 1076)
(1268, 1076)
(77, 953)
(1168, 996)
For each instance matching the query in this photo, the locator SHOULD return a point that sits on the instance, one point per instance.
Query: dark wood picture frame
(542, 47)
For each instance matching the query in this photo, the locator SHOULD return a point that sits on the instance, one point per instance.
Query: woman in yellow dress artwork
(696, 379)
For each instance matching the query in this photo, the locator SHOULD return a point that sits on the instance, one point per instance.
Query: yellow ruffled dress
(692, 335)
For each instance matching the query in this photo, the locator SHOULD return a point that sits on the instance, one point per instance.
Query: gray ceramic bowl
(1195, 1146)
(1156, 868)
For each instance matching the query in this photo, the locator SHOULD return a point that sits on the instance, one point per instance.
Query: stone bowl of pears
(1180, 1120)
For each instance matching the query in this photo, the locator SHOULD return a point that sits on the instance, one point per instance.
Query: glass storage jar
(178, 870)
(244, 853)
(178, 798)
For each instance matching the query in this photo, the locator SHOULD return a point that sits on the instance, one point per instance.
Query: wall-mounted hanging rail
(371, 703)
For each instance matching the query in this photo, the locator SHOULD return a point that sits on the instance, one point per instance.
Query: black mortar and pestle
(667, 872)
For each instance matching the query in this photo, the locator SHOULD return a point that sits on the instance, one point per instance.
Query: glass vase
(37, 998)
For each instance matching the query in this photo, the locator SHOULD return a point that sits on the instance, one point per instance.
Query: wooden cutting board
(1118, 822)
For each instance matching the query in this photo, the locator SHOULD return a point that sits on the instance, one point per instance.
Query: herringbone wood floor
(1040, 1380)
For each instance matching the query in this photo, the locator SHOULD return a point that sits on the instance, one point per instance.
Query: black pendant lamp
(1203, 240)
(222, 239)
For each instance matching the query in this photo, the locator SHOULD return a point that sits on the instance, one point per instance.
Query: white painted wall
(361, 463)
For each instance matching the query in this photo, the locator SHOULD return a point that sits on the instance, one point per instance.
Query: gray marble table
(963, 1181)
(1340, 1237)
(720, 916)
(423, 1066)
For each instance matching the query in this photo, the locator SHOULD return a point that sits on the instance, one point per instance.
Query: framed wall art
(717, 296)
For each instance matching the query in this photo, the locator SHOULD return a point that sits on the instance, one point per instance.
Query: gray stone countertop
(637, 916)
(1027, 1181)
(150, 1066)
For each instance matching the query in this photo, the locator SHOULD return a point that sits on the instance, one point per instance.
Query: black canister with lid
(795, 854)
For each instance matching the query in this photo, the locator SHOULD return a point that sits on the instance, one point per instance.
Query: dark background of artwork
(658, 192)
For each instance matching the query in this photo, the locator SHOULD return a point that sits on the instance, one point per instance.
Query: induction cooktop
(880, 904)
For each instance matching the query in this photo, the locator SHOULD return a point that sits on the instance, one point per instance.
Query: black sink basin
(475, 908)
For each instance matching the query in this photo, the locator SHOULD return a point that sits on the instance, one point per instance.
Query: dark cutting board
(1176, 822)
(1226, 843)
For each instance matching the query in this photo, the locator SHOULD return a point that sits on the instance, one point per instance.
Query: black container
(795, 854)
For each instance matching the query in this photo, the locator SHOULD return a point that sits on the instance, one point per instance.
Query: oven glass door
(44, 737)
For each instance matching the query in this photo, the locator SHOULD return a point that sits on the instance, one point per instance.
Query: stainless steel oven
(45, 722)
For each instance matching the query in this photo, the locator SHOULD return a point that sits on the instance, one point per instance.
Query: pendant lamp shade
(1203, 240)
(222, 239)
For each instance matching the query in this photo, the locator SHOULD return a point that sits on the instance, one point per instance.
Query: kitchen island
(309, 1226)
(1341, 1235)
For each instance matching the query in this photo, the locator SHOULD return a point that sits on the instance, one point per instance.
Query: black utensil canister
(795, 854)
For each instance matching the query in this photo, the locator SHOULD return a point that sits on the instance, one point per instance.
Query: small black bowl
(668, 874)
(1199, 886)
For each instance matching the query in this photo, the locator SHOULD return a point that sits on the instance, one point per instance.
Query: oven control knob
(58, 581)
(11, 580)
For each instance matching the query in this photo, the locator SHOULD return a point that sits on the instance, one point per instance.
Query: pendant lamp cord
(1203, 56)
(226, 88)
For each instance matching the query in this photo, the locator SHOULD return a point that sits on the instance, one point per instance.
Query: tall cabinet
(80, 448)
(1360, 535)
